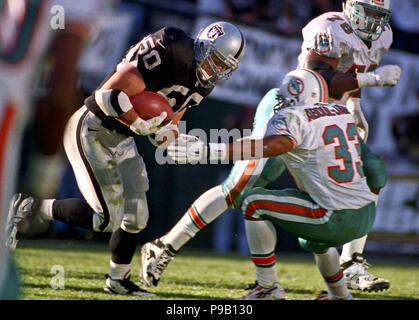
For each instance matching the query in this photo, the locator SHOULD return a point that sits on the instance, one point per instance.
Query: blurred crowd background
(97, 33)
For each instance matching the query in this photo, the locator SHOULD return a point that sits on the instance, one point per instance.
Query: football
(150, 104)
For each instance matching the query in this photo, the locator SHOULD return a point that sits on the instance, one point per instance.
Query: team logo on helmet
(215, 32)
(295, 87)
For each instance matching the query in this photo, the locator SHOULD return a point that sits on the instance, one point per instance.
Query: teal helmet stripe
(22, 45)
(322, 85)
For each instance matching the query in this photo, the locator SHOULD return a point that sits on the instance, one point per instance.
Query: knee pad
(313, 247)
(136, 215)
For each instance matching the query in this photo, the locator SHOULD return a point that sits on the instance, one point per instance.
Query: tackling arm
(246, 149)
(188, 149)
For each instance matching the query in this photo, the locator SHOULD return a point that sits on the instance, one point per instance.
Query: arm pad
(112, 102)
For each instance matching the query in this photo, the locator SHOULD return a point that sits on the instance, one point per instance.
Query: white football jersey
(325, 161)
(331, 35)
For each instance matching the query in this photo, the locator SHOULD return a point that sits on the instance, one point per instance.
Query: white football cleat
(155, 256)
(275, 292)
(324, 295)
(358, 278)
(21, 207)
(125, 287)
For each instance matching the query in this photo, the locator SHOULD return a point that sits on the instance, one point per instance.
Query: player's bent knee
(247, 203)
(134, 222)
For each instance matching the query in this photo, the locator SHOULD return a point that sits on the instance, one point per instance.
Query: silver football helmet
(218, 49)
(368, 17)
(302, 87)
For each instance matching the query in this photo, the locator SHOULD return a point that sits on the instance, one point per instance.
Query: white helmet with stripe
(302, 87)
(218, 48)
(368, 18)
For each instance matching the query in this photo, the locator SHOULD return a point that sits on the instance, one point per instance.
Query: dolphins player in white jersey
(332, 203)
(346, 49)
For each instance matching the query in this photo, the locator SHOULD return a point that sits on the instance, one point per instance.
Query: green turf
(191, 275)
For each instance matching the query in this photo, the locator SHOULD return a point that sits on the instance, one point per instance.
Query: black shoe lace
(131, 286)
(252, 286)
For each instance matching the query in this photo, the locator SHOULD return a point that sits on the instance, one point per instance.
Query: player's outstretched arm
(187, 149)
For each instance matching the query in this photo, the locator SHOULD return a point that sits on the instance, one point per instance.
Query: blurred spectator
(245, 11)
(404, 129)
(57, 97)
(214, 8)
(283, 16)
(289, 17)
(405, 24)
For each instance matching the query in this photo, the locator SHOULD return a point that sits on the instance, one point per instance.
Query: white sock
(45, 209)
(348, 249)
(119, 271)
(261, 237)
(329, 267)
(209, 206)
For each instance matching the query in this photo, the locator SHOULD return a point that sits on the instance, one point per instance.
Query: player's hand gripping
(187, 149)
(387, 75)
(146, 127)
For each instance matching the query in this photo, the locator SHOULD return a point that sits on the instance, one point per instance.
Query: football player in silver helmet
(218, 50)
(99, 142)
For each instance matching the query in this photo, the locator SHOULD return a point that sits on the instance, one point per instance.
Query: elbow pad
(112, 102)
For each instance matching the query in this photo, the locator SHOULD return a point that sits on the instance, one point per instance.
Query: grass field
(191, 276)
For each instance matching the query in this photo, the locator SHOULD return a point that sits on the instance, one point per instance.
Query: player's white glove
(354, 107)
(387, 75)
(167, 131)
(191, 149)
(146, 127)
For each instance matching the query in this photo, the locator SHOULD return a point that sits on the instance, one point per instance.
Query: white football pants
(109, 171)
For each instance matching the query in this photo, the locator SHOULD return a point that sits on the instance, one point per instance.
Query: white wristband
(217, 151)
(368, 79)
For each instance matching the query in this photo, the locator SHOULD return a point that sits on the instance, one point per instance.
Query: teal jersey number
(342, 152)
